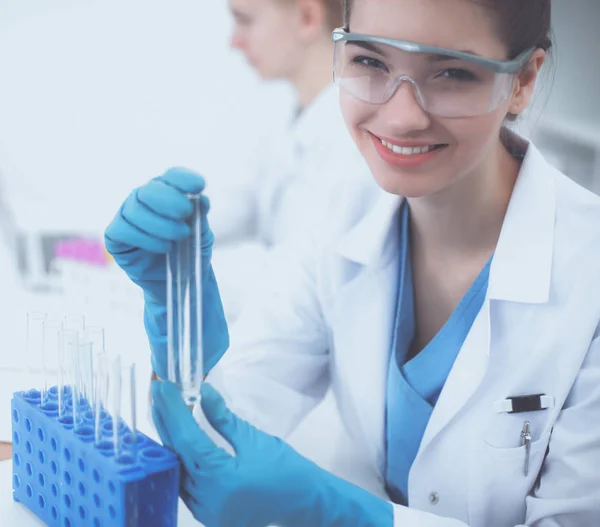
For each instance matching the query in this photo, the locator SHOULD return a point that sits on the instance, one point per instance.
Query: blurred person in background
(298, 171)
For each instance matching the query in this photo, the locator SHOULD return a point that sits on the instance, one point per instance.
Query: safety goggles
(446, 83)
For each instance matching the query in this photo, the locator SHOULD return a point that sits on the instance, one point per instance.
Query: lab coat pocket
(501, 478)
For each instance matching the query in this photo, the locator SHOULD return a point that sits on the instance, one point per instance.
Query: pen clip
(526, 440)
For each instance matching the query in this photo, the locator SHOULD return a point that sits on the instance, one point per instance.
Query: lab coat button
(434, 498)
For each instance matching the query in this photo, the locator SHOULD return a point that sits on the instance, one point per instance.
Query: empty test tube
(35, 341)
(34, 346)
(86, 369)
(101, 396)
(184, 309)
(51, 359)
(74, 322)
(115, 391)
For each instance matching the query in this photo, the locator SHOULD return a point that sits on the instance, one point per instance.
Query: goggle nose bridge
(396, 84)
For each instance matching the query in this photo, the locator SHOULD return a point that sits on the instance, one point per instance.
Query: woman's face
(469, 142)
(267, 33)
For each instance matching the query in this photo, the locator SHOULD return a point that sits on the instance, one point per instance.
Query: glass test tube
(86, 371)
(35, 341)
(101, 387)
(34, 350)
(51, 359)
(74, 322)
(114, 388)
(184, 309)
(69, 365)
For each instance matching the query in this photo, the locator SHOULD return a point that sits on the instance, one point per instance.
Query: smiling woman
(457, 319)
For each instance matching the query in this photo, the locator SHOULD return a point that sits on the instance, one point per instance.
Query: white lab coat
(325, 319)
(293, 189)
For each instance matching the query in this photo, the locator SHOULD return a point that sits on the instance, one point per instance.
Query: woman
(457, 321)
(262, 208)
(288, 40)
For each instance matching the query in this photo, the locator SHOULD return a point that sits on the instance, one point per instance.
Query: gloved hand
(143, 231)
(266, 483)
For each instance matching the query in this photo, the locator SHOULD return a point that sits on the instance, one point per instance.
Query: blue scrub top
(413, 386)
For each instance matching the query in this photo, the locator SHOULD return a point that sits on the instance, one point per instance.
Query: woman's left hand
(266, 482)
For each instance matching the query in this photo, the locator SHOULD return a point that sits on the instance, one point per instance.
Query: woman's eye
(369, 62)
(458, 74)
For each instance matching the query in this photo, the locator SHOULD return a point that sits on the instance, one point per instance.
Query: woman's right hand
(143, 231)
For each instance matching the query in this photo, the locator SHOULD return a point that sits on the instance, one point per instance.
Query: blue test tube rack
(67, 480)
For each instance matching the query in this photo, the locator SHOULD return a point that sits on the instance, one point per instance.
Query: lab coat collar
(522, 264)
(521, 267)
(371, 241)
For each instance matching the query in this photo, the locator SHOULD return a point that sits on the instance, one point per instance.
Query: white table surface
(14, 514)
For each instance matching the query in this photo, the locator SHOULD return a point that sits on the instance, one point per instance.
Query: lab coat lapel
(520, 272)
(363, 321)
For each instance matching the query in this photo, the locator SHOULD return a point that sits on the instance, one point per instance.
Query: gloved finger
(164, 200)
(183, 179)
(187, 439)
(235, 430)
(161, 429)
(148, 221)
(192, 504)
(120, 236)
(190, 487)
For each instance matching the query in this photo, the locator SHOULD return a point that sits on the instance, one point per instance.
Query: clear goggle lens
(443, 85)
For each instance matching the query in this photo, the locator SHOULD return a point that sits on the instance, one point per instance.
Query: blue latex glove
(143, 231)
(266, 483)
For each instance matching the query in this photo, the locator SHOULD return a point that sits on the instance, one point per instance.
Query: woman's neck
(465, 220)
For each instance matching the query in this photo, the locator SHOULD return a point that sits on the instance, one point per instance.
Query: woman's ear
(525, 84)
(313, 17)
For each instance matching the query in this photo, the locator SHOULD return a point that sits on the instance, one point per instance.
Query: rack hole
(41, 502)
(97, 523)
(54, 513)
(81, 488)
(41, 435)
(82, 512)
(125, 460)
(28, 424)
(53, 445)
(112, 512)
(96, 476)
(15, 415)
(111, 487)
(153, 453)
(17, 460)
(28, 447)
(42, 457)
(41, 479)
(85, 431)
(29, 491)
(16, 438)
(67, 522)
(54, 490)
(16, 481)
(68, 501)
(81, 464)
(54, 467)
(67, 454)
(67, 477)
(97, 501)
(29, 468)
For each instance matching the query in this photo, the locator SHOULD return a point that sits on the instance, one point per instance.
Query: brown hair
(521, 24)
(334, 9)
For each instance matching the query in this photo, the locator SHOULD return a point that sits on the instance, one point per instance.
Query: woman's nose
(403, 110)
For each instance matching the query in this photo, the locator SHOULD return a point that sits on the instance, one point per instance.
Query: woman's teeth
(408, 150)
